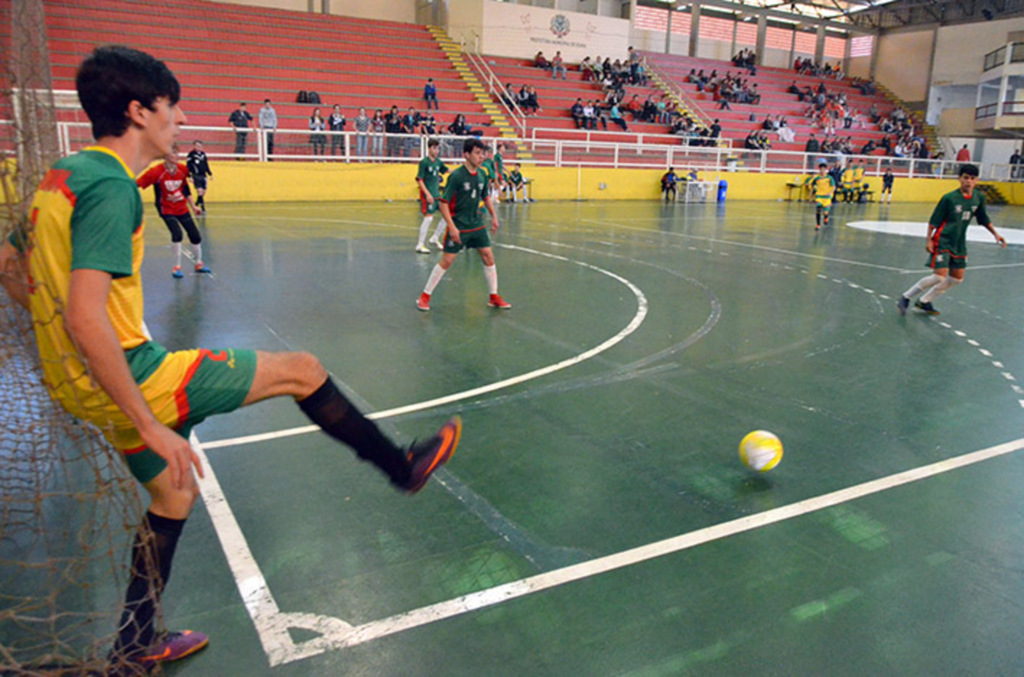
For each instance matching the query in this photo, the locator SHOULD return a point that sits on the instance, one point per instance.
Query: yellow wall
(308, 181)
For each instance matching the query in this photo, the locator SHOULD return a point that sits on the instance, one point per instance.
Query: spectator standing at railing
(1016, 160)
(410, 124)
(963, 155)
(378, 125)
(393, 127)
(317, 139)
(362, 124)
(336, 123)
(268, 123)
(430, 93)
(240, 120)
(557, 65)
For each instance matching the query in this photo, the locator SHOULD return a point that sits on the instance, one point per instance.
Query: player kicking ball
(174, 204)
(947, 241)
(466, 187)
(87, 244)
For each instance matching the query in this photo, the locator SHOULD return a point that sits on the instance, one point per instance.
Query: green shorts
(943, 259)
(471, 239)
(188, 387)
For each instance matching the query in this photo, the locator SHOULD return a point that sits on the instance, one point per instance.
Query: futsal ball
(761, 450)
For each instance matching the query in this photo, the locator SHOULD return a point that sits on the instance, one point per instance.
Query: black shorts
(199, 181)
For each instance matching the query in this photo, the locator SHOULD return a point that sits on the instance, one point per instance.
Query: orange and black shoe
(927, 308)
(426, 457)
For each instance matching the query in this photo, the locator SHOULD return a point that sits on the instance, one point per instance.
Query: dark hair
(969, 170)
(432, 143)
(822, 164)
(112, 77)
(472, 144)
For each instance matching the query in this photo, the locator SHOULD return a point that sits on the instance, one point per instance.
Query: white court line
(748, 245)
(337, 634)
(638, 318)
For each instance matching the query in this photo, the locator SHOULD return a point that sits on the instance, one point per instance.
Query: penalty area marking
(638, 318)
(920, 229)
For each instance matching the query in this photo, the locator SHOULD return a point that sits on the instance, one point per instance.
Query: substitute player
(199, 170)
(947, 241)
(466, 187)
(86, 243)
(823, 187)
(174, 205)
(428, 178)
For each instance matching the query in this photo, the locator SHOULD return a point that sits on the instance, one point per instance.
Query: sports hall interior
(596, 519)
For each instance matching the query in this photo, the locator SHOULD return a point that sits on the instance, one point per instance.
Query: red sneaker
(426, 457)
(497, 302)
(423, 302)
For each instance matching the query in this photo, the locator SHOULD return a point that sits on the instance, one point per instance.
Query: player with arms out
(823, 187)
(86, 251)
(428, 178)
(947, 241)
(199, 170)
(466, 186)
(174, 205)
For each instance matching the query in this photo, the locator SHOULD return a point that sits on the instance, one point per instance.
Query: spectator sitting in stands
(531, 99)
(635, 107)
(523, 98)
(557, 65)
(650, 110)
(458, 127)
(428, 125)
(589, 116)
(577, 114)
(540, 61)
(616, 115)
(786, 134)
(868, 148)
(587, 69)
(794, 89)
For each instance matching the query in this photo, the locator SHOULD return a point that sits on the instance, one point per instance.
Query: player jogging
(466, 186)
(428, 178)
(174, 205)
(199, 169)
(86, 245)
(823, 186)
(947, 241)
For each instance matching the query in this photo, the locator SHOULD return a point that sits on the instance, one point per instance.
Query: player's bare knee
(169, 501)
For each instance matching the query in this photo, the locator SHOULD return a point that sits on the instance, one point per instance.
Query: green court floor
(596, 519)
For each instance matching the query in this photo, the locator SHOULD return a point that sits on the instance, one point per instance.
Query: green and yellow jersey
(823, 187)
(86, 214)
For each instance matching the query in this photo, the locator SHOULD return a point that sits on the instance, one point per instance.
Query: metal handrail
(677, 91)
(493, 84)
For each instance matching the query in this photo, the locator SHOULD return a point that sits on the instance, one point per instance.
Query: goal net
(69, 508)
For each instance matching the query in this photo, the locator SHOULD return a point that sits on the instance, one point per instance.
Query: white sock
(439, 231)
(176, 247)
(435, 276)
(938, 290)
(491, 275)
(197, 249)
(924, 283)
(424, 227)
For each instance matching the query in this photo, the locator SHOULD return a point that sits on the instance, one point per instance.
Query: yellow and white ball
(761, 450)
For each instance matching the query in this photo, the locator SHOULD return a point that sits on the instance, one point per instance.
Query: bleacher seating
(772, 84)
(223, 54)
(557, 96)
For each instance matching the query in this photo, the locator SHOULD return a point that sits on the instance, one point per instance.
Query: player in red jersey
(175, 206)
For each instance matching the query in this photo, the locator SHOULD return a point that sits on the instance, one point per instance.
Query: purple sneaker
(174, 646)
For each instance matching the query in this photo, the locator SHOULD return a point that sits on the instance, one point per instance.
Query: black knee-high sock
(817, 215)
(152, 552)
(331, 410)
(200, 202)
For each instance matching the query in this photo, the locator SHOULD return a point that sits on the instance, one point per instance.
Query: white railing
(603, 136)
(677, 91)
(495, 88)
(591, 149)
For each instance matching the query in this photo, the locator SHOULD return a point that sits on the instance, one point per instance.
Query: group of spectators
(525, 98)
(746, 58)
(809, 66)
(391, 134)
(725, 89)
